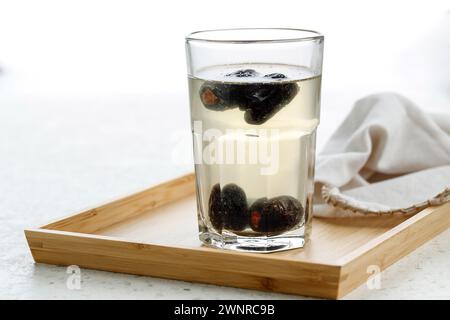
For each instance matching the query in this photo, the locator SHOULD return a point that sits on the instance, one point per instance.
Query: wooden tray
(154, 233)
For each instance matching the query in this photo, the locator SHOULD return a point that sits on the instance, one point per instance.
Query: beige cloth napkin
(388, 156)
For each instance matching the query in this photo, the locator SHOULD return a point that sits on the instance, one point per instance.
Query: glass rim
(311, 35)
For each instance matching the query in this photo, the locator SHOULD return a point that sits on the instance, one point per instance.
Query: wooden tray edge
(325, 280)
(91, 220)
(118, 255)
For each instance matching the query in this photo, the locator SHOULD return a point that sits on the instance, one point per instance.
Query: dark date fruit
(218, 97)
(259, 100)
(234, 203)
(275, 76)
(215, 208)
(227, 209)
(275, 215)
(243, 73)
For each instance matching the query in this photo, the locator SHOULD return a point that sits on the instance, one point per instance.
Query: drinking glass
(255, 104)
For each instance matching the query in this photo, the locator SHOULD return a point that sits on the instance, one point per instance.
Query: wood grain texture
(191, 264)
(154, 233)
(116, 211)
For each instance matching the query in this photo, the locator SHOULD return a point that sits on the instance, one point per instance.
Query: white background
(91, 93)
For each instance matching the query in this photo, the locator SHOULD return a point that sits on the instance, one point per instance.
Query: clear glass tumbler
(255, 103)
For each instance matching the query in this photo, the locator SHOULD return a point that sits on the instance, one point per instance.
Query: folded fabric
(388, 156)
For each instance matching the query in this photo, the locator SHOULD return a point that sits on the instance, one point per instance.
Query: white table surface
(79, 128)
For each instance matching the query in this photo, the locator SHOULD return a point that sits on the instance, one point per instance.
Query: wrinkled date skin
(260, 101)
(234, 202)
(215, 208)
(228, 208)
(275, 215)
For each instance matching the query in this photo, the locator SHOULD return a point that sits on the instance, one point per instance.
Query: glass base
(252, 244)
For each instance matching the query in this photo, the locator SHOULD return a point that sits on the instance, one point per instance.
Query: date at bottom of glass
(230, 210)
